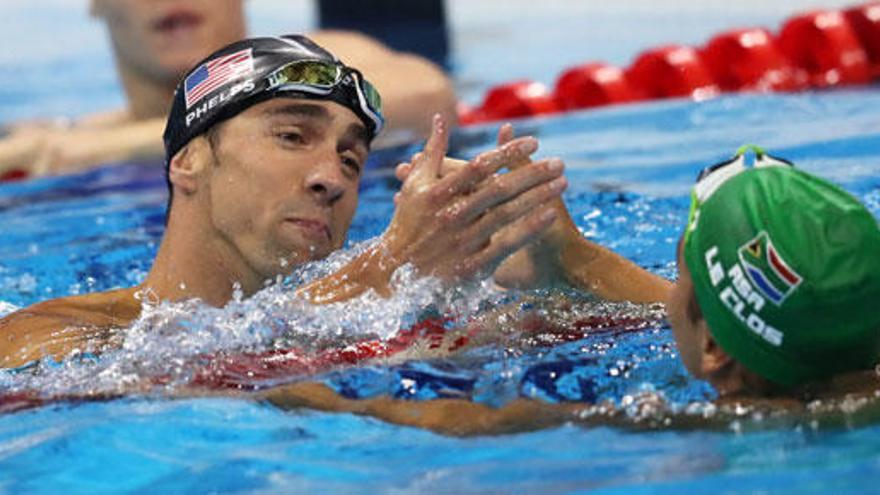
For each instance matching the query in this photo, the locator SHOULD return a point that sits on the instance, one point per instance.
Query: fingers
(431, 160)
(505, 134)
(480, 231)
(503, 188)
(481, 167)
(402, 171)
(510, 239)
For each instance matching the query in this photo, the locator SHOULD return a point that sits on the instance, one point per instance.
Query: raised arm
(561, 255)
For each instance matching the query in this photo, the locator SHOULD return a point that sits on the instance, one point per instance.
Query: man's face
(687, 333)
(283, 187)
(162, 39)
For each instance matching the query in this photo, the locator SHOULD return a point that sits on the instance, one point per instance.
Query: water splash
(170, 342)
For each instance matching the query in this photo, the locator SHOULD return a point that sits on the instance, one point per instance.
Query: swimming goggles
(321, 77)
(712, 177)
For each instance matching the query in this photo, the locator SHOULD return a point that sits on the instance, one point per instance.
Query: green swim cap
(786, 270)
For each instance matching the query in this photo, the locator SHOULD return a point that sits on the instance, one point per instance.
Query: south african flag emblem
(769, 273)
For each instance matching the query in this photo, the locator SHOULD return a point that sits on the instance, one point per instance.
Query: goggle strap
(757, 150)
(362, 101)
(721, 173)
(766, 160)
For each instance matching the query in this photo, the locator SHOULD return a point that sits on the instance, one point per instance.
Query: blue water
(629, 169)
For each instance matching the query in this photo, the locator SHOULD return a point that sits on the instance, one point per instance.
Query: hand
(537, 264)
(457, 225)
(540, 263)
(464, 223)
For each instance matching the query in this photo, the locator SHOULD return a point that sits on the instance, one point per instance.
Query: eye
(352, 164)
(292, 137)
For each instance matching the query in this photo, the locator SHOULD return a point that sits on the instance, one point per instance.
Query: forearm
(456, 417)
(563, 256)
(588, 266)
(371, 270)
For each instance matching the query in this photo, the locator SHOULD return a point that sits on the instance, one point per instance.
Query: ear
(713, 359)
(189, 165)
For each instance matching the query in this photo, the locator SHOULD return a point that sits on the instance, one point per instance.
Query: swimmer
(264, 164)
(155, 43)
(779, 272)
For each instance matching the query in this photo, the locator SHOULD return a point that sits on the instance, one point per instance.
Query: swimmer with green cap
(779, 271)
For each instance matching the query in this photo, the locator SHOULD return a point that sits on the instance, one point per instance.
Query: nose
(325, 181)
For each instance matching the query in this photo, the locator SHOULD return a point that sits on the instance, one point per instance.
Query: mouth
(313, 229)
(177, 22)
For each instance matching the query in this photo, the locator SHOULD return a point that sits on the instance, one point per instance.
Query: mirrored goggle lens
(372, 96)
(308, 73)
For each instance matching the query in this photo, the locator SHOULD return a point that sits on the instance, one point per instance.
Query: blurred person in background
(155, 42)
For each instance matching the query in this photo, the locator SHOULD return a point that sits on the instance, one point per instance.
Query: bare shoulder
(350, 46)
(59, 326)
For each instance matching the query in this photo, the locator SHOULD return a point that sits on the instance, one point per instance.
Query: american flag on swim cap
(215, 73)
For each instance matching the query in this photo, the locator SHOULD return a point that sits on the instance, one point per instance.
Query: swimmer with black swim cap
(266, 144)
(251, 71)
(257, 69)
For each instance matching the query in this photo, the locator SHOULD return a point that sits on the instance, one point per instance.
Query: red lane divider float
(815, 49)
(825, 45)
(594, 85)
(749, 60)
(865, 22)
(672, 71)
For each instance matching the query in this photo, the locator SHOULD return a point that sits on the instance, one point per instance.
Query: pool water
(630, 170)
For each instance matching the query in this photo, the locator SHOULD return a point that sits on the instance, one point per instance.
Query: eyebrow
(300, 110)
(355, 132)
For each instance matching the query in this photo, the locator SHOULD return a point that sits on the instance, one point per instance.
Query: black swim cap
(254, 70)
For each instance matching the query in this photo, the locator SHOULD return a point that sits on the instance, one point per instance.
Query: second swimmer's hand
(538, 263)
(541, 262)
(464, 223)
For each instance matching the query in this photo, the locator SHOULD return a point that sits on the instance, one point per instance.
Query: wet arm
(455, 417)
(563, 255)
(456, 227)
